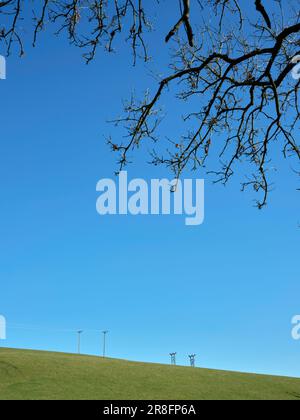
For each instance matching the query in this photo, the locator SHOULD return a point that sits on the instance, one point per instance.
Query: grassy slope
(42, 375)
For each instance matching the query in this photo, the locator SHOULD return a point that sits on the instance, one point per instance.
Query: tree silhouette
(235, 66)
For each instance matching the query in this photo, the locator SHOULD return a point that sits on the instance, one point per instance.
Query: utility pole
(192, 360)
(79, 340)
(104, 342)
(173, 358)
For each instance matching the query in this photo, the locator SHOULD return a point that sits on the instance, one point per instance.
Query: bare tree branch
(233, 78)
(260, 8)
(185, 19)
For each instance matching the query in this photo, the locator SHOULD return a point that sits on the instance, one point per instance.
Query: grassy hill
(42, 375)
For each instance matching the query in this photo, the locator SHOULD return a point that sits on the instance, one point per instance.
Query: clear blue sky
(226, 290)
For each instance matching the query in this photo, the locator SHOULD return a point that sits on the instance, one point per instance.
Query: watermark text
(158, 197)
(2, 328)
(2, 67)
(296, 328)
(296, 68)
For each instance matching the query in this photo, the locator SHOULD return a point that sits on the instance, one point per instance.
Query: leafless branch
(233, 77)
(184, 20)
(260, 8)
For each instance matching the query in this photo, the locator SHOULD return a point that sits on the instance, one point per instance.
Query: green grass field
(40, 375)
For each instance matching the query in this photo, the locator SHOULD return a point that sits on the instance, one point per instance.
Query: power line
(37, 328)
(48, 329)
(27, 327)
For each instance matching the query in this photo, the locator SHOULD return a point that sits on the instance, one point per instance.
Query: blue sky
(226, 290)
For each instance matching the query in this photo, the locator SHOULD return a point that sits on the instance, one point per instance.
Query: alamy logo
(2, 67)
(159, 197)
(296, 327)
(296, 68)
(2, 328)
